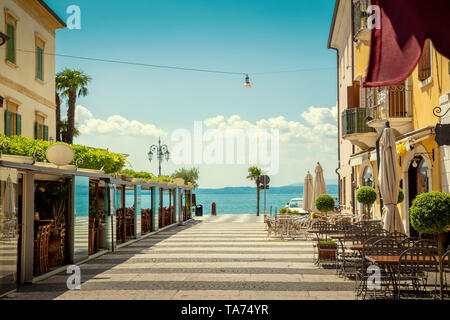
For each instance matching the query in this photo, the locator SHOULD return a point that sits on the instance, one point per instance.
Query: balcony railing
(354, 121)
(360, 16)
(389, 102)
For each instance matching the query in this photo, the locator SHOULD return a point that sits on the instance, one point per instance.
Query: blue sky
(239, 36)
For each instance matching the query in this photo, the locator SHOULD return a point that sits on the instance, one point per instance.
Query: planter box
(326, 251)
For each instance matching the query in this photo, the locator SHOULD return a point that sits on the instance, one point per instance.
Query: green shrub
(313, 215)
(327, 242)
(325, 203)
(430, 212)
(139, 175)
(366, 195)
(92, 158)
(283, 210)
(401, 195)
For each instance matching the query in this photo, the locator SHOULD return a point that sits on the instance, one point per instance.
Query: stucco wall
(19, 82)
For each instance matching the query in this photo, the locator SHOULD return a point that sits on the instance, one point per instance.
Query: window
(40, 129)
(11, 27)
(40, 47)
(425, 62)
(39, 61)
(13, 120)
(11, 47)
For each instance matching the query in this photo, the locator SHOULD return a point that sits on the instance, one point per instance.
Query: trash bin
(213, 209)
(199, 210)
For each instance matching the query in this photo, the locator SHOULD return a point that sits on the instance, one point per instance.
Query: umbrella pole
(377, 145)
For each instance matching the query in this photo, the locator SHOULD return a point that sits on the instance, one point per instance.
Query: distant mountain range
(331, 188)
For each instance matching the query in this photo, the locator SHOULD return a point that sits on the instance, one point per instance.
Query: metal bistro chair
(398, 236)
(377, 247)
(430, 245)
(446, 258)
(415, 270)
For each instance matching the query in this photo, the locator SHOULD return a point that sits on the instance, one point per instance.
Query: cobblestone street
(226, 257)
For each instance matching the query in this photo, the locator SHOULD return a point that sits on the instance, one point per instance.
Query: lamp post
(3, 38)
(161, 151)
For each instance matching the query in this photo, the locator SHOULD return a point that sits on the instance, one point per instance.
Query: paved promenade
(224, 257)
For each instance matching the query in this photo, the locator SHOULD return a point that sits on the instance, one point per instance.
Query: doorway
(418, 183)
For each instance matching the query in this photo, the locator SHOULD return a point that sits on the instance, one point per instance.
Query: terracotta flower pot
(329, 254)
(54, 246)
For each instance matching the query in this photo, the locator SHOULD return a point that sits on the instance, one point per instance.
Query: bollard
(213, 209)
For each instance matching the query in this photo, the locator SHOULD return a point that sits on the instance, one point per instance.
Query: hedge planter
(326, 250)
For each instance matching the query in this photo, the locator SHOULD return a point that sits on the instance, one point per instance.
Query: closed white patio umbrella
(389, 182)
(308, 192)
(319, 185)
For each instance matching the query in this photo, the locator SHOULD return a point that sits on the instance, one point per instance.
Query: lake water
(241, 200)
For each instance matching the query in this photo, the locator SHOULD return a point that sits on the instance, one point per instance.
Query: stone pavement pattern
(222, 258)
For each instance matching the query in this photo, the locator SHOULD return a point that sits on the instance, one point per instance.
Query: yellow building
(27, 69)
(423, 165)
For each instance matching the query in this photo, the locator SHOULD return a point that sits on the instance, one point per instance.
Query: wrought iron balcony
(360, 15)
(354, 121)
(390, 103)
(355, 128)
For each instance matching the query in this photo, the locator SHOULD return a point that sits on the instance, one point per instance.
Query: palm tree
(58, 114)
(188, 175)
(71, 84)
(64, 124)
(254, 173)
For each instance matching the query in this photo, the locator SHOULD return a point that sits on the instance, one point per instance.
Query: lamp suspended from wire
(247, 82)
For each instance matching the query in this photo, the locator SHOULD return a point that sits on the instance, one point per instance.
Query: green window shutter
(46, 133)
(36, 130)
(11, 44)
(7, 123)
(18, 124)
(39, 55)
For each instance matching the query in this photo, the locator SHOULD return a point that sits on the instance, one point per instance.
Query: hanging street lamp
(247, 82)
(161, 152)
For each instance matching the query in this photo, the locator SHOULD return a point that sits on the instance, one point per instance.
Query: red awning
(397, 46)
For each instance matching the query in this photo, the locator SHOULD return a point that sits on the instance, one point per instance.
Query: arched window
(422, 177)
(368, 179)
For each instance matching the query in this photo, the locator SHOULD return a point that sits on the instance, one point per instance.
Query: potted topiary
(401, 195)
(326, 250)
(366, 196)
(430, 214)
(325, 203)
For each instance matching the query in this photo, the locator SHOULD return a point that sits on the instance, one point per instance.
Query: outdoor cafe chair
(427, 244)
(446, 258)
(399, 236)
(374, 246)
(417, 273)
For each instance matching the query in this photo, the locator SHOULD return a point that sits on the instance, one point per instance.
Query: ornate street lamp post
(161, 152)
(3, 38)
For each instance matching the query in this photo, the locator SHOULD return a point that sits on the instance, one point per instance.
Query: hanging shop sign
(443, 134)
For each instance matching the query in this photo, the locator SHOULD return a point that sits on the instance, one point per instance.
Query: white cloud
(320, 126)
(114, 125)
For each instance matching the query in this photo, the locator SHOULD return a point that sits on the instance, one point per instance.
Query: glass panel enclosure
(81, 219)
(111, 219)
(130, 212)
(147, 206)
(97, 212)
(138, 213)
(9, 235)
(52, 200)
(120, 217)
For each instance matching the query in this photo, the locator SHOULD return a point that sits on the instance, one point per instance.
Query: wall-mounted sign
(443, 134)
(60, 154)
